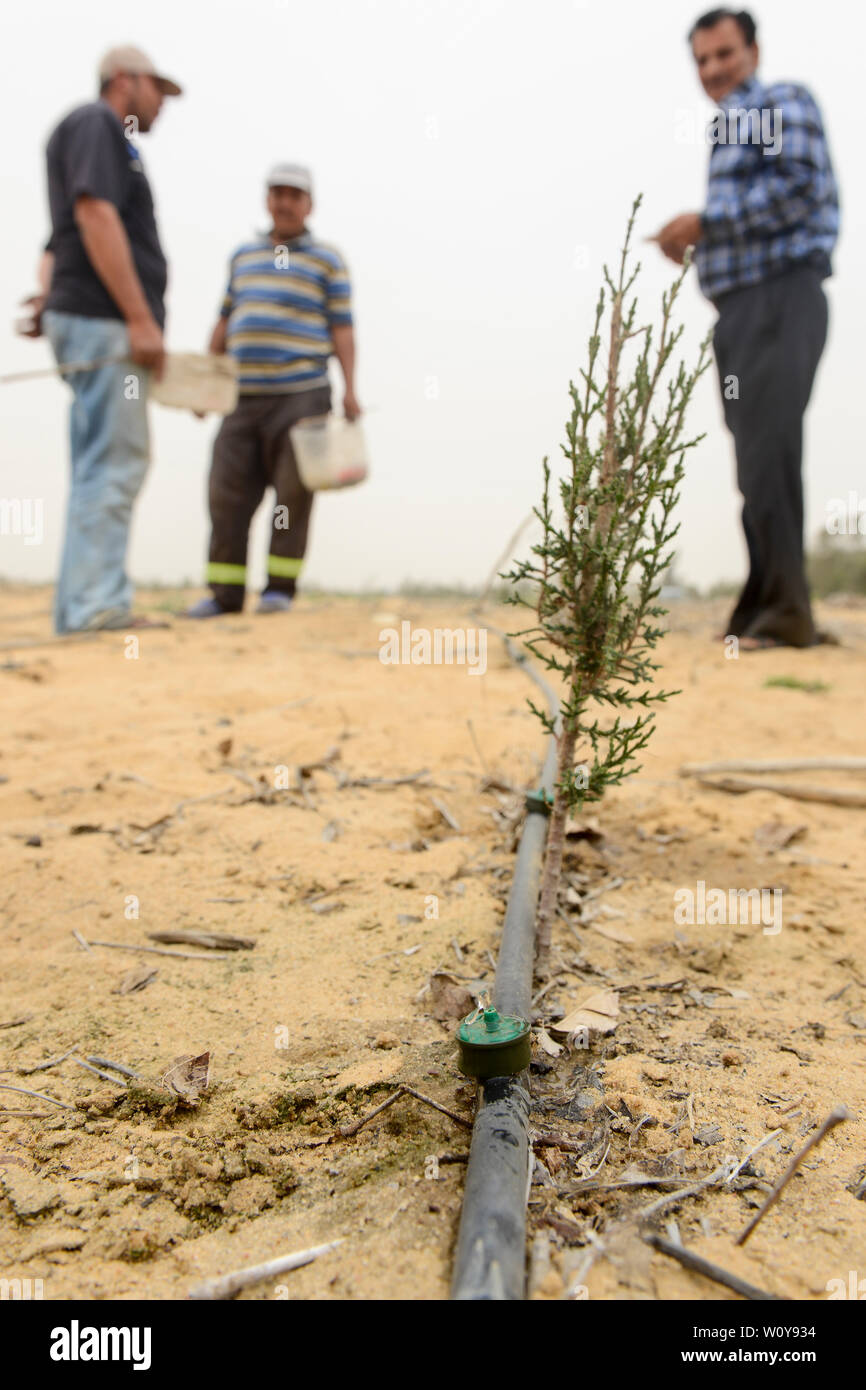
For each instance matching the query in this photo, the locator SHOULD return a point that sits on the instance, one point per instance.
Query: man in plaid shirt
(762, 248)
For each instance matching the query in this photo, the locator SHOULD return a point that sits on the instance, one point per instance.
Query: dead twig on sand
(231, 1284)
(699, 1265)
(775, 765)
(52, 1062)
(673, 986)
(752, 1151)
(411, 779)
(157, 951)
(212, 941)
(115, 1066)
(835, 1117)
(799, 791)
(443, 1109)
(115, 1081)
(347, 1131)
(718, 1175)
(37, 1095)
(85, 945)
(449, 819)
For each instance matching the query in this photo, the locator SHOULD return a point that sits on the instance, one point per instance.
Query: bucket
(330, 451)
(197, 381)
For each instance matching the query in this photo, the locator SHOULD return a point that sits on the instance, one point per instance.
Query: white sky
(475, 161)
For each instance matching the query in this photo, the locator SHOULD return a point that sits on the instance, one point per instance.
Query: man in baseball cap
(134, 63)
(291, 176)
(104, 275)
(287, 310)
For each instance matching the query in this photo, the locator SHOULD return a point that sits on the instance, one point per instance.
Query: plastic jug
(197, 381)
(330, 451)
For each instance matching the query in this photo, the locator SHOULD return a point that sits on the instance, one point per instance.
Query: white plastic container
(331, 452)
(197, 381)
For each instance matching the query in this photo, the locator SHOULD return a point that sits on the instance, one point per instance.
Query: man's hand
(34, 304)
(675, 238)
(351, 406)
(146, 346)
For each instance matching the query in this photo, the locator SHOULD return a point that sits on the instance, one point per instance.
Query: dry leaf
(138, 978)
(448, 998)
(546, 1043)
(188, 1076)
(598, 1012)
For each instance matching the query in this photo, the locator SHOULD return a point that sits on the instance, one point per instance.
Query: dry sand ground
(150, 781)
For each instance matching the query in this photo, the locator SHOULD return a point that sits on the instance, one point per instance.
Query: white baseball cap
(291, 176)
(132, 60)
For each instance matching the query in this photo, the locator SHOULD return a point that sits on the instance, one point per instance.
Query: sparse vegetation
(594, 577)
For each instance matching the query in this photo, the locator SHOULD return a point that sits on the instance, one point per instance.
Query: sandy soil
(142, 793)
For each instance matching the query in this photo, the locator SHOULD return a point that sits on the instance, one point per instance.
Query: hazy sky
(475, 161)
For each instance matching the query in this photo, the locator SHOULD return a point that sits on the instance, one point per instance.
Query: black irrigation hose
(490, 1260)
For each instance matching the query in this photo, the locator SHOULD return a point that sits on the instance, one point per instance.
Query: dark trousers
(252, 452)
(768, 341)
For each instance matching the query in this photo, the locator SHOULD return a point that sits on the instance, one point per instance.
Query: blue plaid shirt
(772, 201)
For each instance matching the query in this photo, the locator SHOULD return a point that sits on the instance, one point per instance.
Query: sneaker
(121, 620)
(272, 601)
(205, 608)
(108, 620)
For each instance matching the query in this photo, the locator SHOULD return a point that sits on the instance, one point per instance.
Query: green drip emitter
(492, 1044)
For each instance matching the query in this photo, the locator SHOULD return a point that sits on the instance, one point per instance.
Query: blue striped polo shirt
(281, 302)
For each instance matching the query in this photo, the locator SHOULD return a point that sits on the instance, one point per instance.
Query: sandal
(760, 644)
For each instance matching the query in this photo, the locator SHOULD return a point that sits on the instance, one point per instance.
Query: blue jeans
(110, 451)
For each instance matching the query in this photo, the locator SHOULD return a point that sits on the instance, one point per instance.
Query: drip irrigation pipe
(490, 1262)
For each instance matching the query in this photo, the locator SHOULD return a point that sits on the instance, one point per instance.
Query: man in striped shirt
(287, 309)
(762, 248)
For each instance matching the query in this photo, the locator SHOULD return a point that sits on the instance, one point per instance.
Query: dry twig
(835, 1117)
(799, 791)
(52, 1062)
(157, 951)
(346, 1131)
(699, 1265)
(96, 1072)
(115, 1066)
(230, 1284)
(38, 1095)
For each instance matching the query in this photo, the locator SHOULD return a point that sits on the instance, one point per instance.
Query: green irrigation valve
(492, 1044)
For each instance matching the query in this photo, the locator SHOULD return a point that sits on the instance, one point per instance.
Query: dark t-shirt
(89, 154)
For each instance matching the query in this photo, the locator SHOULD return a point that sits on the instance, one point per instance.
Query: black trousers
(768, 341)
(252, 452)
